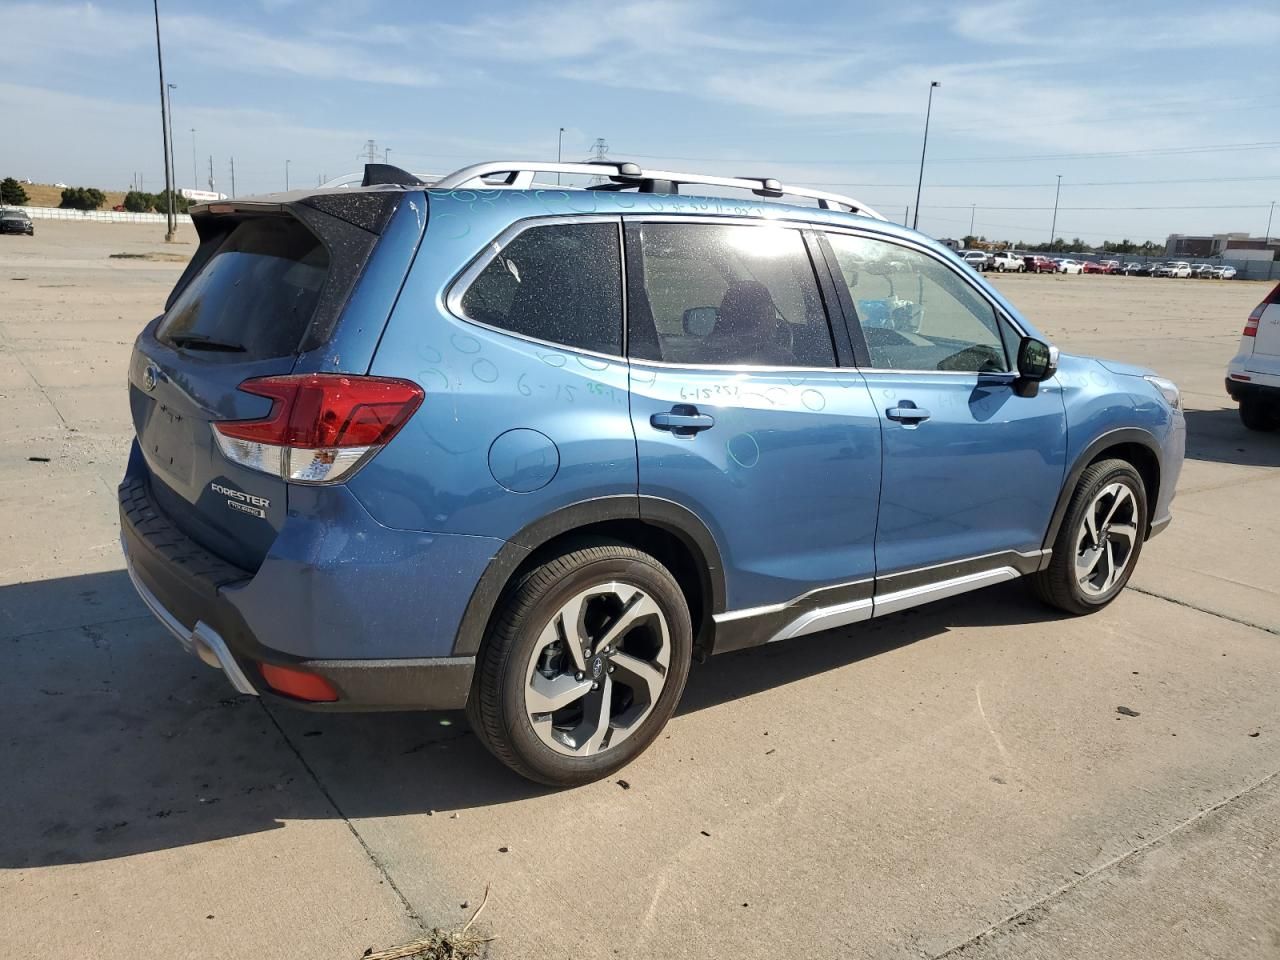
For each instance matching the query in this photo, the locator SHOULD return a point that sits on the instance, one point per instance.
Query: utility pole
(1053, 229)
(973, 210)
(928, 110)
(559, 152)
(211, 172)
(286, 176)
(195, 176)
(164, 128)
(386, 155)
(233, 178)
(906, 215)
(173, 154)
(370, 152)
(1269, 216)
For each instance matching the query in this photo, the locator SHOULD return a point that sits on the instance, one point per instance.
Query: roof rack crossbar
(624, 175)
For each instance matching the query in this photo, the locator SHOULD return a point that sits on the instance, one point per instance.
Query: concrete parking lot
(954, 780)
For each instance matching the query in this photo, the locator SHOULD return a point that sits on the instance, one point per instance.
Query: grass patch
(437, 945)
(463, 944)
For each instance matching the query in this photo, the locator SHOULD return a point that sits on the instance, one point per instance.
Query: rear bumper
(1259, 385)
(186, 588)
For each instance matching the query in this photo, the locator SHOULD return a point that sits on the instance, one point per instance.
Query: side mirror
(1037, 360)
(700, 321)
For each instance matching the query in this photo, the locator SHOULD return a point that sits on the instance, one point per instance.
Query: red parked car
(1104, 266)
(1040, 265)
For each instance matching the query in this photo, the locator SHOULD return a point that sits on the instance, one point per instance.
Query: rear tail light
(1251, 325)
(321, 427)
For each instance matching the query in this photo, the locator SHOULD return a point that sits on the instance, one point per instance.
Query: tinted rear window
(561, 283)
(258, 291)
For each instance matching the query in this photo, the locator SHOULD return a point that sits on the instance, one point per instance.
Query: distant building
(201, 196)
(1237, 246)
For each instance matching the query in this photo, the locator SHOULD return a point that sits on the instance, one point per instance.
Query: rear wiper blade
(195, 341)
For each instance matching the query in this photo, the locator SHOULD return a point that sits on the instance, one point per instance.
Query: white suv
(1253, 375)
(1179, 268)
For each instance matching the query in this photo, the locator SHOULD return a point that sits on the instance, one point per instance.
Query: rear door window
(561, 283)
(255, 297)
(726, 295)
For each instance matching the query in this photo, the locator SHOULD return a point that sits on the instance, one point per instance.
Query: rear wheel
(583, 666)
(1099, 542)
(1256, 415)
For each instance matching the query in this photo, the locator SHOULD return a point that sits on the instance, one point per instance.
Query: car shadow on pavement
(1218, 436)
(114, 742)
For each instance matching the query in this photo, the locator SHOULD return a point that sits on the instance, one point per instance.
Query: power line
(1074, 183)
(1097, 155)
(1238, 104)
(1221, 206)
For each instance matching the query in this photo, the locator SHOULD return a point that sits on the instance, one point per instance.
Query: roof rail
(518, 175)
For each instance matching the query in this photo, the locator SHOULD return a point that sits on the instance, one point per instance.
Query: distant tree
(968, 240)
(11, 191)
(1124, 246)
(82, 198)
(135, 201)
(162, 202)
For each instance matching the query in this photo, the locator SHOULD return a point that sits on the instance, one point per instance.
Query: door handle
(683, 420)
(908, 413)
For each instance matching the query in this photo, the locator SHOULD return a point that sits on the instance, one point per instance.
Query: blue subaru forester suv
(529, 450)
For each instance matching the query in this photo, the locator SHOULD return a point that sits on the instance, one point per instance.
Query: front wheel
(1099, 542)
(584, 664)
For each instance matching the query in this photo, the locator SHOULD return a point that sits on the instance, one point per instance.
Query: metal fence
(98, 216)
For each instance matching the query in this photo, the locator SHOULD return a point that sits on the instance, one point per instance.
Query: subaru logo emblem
(150, 377)
(597, 667)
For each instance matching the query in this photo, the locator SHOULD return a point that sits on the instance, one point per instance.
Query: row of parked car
(1005, 261)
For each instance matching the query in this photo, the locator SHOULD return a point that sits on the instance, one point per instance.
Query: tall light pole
(915, 222)
(1269, 216)
(386, 155)
(559, 152)
(1053, 228)
(173, 155)
(973, 211)
(286, 176)
(164, 128)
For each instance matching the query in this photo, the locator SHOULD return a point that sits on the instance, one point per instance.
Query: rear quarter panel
(570, 409)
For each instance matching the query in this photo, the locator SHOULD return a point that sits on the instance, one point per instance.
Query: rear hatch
(266, 294)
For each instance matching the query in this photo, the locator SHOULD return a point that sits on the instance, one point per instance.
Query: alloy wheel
(1107, 539)
(598, 668)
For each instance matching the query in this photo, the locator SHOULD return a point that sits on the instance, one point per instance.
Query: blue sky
(829, 94)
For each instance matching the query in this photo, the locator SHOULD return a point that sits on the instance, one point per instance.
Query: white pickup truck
(1005, 261)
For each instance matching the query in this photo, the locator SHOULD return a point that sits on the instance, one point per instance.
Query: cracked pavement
(955, 780)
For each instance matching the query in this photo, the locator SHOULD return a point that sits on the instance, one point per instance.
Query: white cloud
(1091, 33)
(52, 32)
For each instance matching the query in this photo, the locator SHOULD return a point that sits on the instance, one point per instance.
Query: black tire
(1256, 415)
(1058, 585)
(497, 706)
